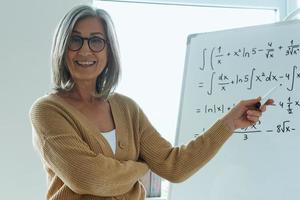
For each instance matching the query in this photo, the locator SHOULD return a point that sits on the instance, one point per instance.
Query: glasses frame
(82, 39)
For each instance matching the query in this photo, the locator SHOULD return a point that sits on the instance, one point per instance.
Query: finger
(254, 113)
(263, 108)
(268, 103)
(251, 102)
(252, 122)
(252, 119)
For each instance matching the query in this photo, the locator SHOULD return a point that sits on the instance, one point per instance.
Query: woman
(96, 144)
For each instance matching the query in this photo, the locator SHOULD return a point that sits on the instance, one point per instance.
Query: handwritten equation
(284, 127)
(224, 70)
(217, 55)
(221, 81)
(290, 105)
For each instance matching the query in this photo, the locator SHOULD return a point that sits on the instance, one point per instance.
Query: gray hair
(61, 77)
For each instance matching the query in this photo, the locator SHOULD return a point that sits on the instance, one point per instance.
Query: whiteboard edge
(278, 23)
(189, 38)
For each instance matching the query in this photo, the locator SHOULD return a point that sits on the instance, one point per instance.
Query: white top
(111, 139)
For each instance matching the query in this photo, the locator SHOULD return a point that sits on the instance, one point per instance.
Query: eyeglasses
(96, 44)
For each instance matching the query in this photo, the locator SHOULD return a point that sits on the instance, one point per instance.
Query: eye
(96, 43)
(97, 40)
(75, 42)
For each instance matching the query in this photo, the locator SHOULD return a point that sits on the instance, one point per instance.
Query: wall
(281, 5)
(25, 38)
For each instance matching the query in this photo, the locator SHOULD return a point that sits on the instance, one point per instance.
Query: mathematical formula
(218, 55)
(290, 105)
(216, 80)
(221, 81)
(284, 127)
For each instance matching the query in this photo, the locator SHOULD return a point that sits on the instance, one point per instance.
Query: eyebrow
(94, 33)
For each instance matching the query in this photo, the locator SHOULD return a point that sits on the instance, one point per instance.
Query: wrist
(229, 122)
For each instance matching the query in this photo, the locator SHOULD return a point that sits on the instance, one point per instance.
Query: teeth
(85, 62)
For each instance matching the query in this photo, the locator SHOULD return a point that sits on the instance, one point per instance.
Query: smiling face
(85, 64)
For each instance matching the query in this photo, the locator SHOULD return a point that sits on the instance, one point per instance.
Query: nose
(85, 49)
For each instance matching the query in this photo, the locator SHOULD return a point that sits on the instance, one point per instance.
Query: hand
(245, 114)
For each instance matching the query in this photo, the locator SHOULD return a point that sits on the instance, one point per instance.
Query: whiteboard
(221, 68)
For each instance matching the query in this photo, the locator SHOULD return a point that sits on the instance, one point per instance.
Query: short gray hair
(61, 77)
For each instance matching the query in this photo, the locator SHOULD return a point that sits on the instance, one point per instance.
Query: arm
(83, 171)
(178, 163)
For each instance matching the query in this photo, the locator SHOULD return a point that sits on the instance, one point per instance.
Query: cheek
(68, 59)
(103, 58)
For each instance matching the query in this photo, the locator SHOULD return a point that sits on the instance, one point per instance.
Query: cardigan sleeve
(83, 171)
(176, 164)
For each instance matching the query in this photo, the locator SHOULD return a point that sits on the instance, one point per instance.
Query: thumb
(251, 102)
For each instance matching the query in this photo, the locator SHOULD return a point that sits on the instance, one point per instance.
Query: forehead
(89, 25)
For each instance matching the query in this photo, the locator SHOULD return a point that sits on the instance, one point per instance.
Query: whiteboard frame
(292, 21)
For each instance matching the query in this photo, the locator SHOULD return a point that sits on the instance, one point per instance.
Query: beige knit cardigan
(80, 163)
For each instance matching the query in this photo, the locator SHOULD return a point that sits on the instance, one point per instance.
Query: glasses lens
(96, 44)
(75, 43)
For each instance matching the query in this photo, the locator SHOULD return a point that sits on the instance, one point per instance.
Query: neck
(83, 92)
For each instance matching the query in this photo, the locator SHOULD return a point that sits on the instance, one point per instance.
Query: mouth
(85, 63)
